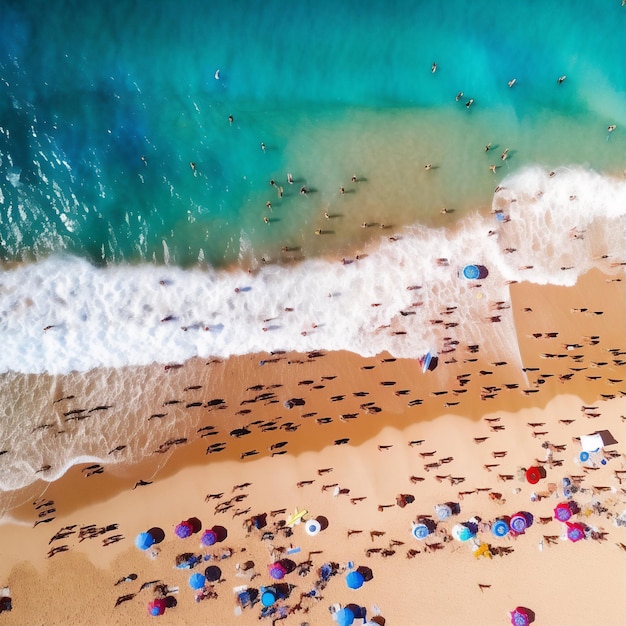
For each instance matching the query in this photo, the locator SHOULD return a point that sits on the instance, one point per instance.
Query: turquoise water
(333, 89)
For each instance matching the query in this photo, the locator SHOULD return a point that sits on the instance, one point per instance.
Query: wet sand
(457, 417)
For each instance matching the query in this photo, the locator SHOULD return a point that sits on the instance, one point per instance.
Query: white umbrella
(312, 527)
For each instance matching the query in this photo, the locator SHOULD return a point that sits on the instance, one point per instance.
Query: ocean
(146, 213)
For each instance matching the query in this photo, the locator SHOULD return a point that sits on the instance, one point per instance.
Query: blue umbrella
(144, 540)
(443, 512)
(420, 531)
(268, 598)
(500, 528)
(471, 272)
(209, 537)
(344, 617)
(196, 581)
(354, 580)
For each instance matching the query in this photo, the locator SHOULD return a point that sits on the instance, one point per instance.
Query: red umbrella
(562, 512)
(575, 531)
(534, 475)
(156, 606)
(520, 617)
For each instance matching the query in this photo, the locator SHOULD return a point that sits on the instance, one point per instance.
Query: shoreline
(220, 380)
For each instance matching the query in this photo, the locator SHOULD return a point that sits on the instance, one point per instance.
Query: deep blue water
(105, 105)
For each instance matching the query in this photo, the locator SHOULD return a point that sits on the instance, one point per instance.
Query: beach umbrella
(461, 532)
(354, 580)
(312, 527)
(420, 531)
(575, 531)
(583, 456)
(344, 617)
(184, 530)
(197, 581)
(277, 571)
(212, 573)
(520, 617)
(518, 523)
(500, 528)
(209, 537)
(144, 540)
(268, 598)
(562, 512)
(443, 512)
(157, 606)
(534, 475)
(471, 272)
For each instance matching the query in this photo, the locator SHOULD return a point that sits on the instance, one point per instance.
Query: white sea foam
(115, 316)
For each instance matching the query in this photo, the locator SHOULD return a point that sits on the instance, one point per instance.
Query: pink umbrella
(562, 512)
(184, 530)
(277, 571)
(575, 531)
(518, 523)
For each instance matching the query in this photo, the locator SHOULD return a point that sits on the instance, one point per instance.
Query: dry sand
(443, 582)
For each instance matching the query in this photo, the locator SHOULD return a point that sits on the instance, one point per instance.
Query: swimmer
(230, 120)
(611, 128)
(354, 178)
(268, 204)
(428, 166)
(280, 192)
(342, 190)
(193, 168)
(469, 103)
(272, 182)
(560, 79)
(145, 161)
(433, 68)
(303, 190)
(492, 168)
(443, 210)
(488, 147)
(263, 146)
(266, 219)
(290, 179)
(318, 231)
(504, 154)
(459, 96)
(326, 215)
(512, 82)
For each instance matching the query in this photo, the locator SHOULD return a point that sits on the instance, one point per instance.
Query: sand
(488, 407)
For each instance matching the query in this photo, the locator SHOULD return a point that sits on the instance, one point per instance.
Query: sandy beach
(368, 448)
